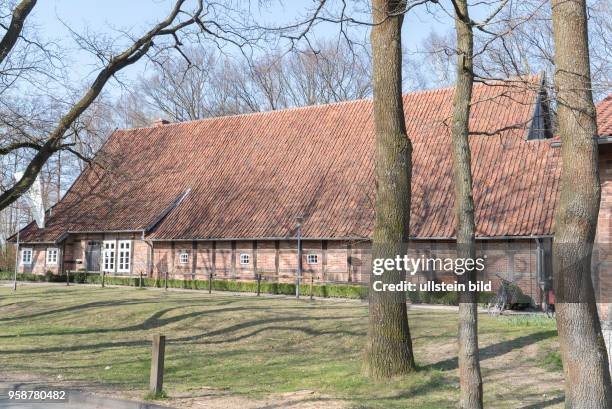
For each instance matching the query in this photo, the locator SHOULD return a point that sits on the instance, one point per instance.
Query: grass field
(256, 348)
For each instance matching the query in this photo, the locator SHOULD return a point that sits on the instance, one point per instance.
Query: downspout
(62, 249)
(299, 257)
(542, 281)
(149, 243)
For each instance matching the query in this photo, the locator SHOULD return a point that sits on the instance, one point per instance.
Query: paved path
(74, 399)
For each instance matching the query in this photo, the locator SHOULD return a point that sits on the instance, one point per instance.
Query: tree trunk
(20, 13)
(389, 348)
(469, 365)
(585, 360)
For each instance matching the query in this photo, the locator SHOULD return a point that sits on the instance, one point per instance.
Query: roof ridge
(528, 78)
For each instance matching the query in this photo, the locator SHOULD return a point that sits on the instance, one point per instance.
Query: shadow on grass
(496, 350)
(78, 307)
(154, 321)
(545, 404)
(192, 338)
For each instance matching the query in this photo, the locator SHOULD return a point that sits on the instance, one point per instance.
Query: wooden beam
(194, 258)
(276, 257)
(255, 257)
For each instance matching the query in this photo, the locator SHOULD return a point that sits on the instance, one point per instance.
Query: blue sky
(135, 16)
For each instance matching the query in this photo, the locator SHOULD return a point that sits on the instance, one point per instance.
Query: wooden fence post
(67, 277)
(103, 277)
(210, 277)
(140, 281)
(166, 280)
(311, 283)
(156, 380)
(258, 284)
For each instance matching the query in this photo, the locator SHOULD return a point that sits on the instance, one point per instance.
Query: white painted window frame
(245, 259)
(52, 261)
(24, 251)
(312, 259)
(106, 252)
(124, 256)
(184, 257)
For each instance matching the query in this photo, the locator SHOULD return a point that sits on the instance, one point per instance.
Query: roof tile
(251, 175)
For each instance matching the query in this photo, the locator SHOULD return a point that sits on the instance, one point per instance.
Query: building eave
(601, 140)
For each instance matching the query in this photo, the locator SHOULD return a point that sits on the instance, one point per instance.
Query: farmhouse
(231, 196)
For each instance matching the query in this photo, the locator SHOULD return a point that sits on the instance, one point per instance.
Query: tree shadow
(545, 404)
(95, 304)
(495, 350)
(152, 322)
(194, 338)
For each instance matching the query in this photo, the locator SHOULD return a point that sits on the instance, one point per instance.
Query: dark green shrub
(318, 290)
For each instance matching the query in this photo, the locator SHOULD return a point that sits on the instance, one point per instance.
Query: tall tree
(389, 346)
(585, 360)
(469, 365)
(55, 141)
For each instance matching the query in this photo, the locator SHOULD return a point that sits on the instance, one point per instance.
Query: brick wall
(75, 259)
(39, 264)
(336, 261)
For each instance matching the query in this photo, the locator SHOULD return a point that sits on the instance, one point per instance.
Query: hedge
(326, 290)
(318, 290)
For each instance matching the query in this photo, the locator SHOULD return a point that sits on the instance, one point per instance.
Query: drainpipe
(149, 243)
(299, 260)
(539, 270)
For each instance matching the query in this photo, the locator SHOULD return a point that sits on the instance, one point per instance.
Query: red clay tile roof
(251, 175)
(604, 117)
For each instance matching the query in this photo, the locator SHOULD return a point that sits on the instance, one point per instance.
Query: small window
(245, 259)
(26, 257)
(52, 256)
(184, 257)
(312, 259)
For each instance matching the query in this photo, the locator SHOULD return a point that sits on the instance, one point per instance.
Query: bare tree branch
(129, 56)
(14, 29)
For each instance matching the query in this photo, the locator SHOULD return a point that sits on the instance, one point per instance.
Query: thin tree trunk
(58, 194)
(585, 360)
(389, 348)
(469, 366)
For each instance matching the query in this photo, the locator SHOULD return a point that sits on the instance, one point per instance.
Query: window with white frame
(245, 259)
(109, 253)
(125, 253)
(184, 257)
(52, 256)
(312, 259)
(26, 257)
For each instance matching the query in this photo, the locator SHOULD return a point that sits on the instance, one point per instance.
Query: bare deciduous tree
(470, 378)
(518, 42)
(13, 31)
(54, 141)
(389, 346)
(585, 360)
(209, 84)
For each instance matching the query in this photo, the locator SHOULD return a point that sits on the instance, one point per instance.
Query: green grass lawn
(256, 347)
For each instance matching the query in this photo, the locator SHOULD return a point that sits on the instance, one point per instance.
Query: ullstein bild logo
(412, 266)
